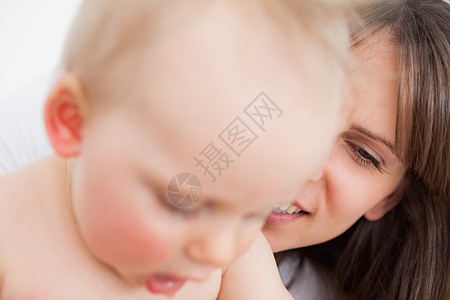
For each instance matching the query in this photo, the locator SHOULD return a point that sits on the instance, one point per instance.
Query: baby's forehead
(107, 34)
(207, 69)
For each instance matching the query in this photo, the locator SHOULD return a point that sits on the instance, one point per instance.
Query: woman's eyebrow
(375, 137)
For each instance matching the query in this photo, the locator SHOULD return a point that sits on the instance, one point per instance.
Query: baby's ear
(64, 115)
(385, 205)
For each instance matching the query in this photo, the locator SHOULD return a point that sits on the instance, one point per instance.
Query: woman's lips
(283, 218)
(162, 284)
(286, 214)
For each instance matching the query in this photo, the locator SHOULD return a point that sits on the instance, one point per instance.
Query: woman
(387, 178)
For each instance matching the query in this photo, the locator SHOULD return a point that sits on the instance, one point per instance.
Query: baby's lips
(164, 284)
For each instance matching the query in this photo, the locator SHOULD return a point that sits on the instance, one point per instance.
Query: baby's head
(233, 101)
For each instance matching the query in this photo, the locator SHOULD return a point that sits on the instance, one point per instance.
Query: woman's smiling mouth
(285, 214)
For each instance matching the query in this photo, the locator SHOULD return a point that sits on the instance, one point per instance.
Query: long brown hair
(406, 254)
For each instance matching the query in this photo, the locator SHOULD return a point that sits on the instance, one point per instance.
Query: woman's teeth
(287, 209)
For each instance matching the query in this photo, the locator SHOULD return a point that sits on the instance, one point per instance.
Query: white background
(31, 37)
(32, 34)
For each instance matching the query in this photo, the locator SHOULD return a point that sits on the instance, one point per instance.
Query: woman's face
(362, 173)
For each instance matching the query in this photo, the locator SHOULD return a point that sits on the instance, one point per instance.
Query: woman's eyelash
(363, 157)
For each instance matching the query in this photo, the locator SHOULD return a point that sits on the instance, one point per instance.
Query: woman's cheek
(349, 186)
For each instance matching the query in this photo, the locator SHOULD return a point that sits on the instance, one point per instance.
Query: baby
(177, 127)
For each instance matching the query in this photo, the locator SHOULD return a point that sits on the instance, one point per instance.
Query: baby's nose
(216, 248)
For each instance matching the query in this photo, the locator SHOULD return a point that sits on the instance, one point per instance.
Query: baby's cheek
(119, 232)
(126, 238)
(119, 226)
(148, 245)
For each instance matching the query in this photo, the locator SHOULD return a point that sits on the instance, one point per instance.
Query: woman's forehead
(372, 92)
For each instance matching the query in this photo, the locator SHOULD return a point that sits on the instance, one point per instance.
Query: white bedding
(22, 132)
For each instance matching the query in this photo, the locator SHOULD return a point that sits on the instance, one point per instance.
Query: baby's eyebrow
(374, 136)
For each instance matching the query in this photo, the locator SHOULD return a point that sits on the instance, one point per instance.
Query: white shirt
(308, 286)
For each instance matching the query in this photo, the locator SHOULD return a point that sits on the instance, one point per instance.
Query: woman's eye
(363, 157)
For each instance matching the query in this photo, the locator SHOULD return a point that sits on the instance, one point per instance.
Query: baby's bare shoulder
(23, 195)
(20, 187)
(6, 194)
(19, 194)
(11, 192)
(9, 196)
(6, 187)
(14, 188)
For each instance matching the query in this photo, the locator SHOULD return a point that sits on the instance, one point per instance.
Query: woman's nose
(216, 248)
